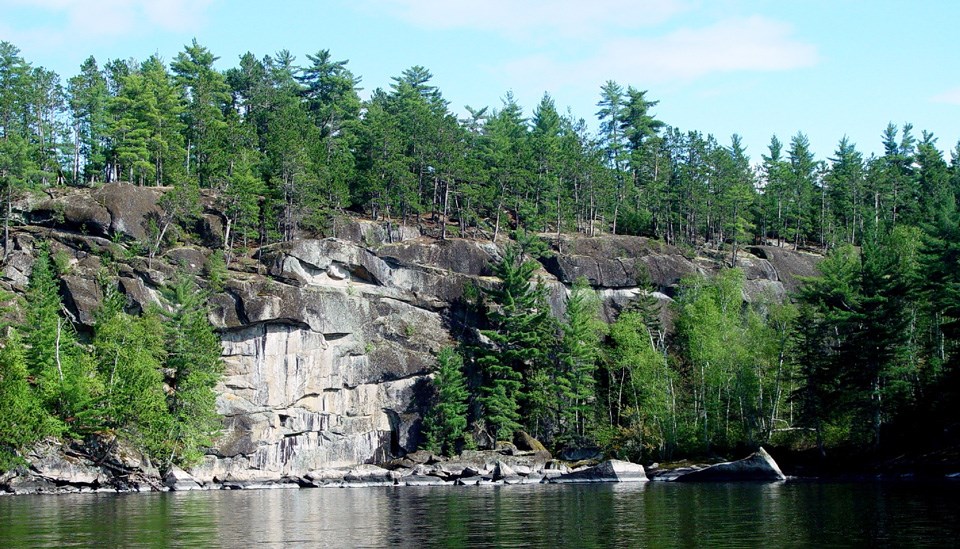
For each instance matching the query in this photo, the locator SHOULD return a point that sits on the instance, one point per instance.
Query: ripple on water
(603, 515)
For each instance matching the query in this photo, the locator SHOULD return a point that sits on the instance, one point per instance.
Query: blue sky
(826, 68)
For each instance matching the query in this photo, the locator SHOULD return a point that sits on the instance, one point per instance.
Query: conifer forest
(863, 358)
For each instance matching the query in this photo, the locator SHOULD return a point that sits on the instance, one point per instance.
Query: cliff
(329, 343)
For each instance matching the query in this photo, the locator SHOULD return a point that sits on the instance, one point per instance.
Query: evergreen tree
(520, 333)
(22, 419)
(445, 424)
(207, 96)
(65, 378)
(193, 354)
(89, 98)
(575, 405)
(129, 353)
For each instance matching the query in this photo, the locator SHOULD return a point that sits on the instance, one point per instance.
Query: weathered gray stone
(78, 211)
(179, 480)
(371, 475)
(613, 470)
(759, 466)
(130, 207)
(504, 472)
(190, 260)
(83, 296)
(49, 462)
(523, 441)
(424, 480)
(788, 264)
(618, 261)
(469, 481)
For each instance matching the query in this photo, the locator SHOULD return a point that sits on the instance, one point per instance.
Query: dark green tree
(22, 419)
(575, 379)
(445, 424)
(129, 352)
(519, 335)
(64, 375)
(193, 354)
(207, 96)
(89, 99)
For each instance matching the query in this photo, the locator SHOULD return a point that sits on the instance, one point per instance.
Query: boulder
(423, 480)
(79, 211)
(326, 476)
(469, 481)
(191, 260)
(179, 480)
(523, 441)
(616, 261)
(504, 472)
(48, 461)
(30, 484)
(83, 297)
(789, 265)
(507, 448)
(370, 475)
(759, 466)
(130, 207)
(613, 470)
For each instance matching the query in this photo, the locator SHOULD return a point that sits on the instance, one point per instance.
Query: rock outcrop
(759, 466)
(329, 344)
(613, 470)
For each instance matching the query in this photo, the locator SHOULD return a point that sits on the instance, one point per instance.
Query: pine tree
(520, 334)
(193, 353)
(207, 96)
(578, 356)
(445, 424)
(22, 419)
(65, 378)
(129, 353)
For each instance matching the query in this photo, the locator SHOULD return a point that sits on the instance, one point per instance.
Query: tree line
(289, 145)
(866, 351)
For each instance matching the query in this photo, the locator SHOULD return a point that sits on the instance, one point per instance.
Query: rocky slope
(329, 343)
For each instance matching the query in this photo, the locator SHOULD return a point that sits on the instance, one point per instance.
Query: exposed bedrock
(329, 343)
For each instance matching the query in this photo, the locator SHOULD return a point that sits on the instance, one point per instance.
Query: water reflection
(661, 514)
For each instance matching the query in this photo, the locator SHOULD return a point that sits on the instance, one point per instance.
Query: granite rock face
(329, 344)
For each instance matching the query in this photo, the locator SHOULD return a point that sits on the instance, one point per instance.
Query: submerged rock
(759, 466)
(424, 480)
(613, 470)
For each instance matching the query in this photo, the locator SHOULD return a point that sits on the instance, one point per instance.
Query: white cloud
(752, 44)
(950, 96)
(525, 19)
(60, 23)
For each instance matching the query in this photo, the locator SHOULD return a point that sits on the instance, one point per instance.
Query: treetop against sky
(823, 67)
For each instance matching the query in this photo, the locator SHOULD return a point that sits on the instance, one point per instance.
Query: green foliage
(215, 270)
(640, 393)
(61, 262)
(574, 381)
(520, 332)
(64, 374)
(22, 419)
(193, 353)
(445, 424)
(130, 353)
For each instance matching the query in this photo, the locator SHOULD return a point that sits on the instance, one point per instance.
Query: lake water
(793, 514)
